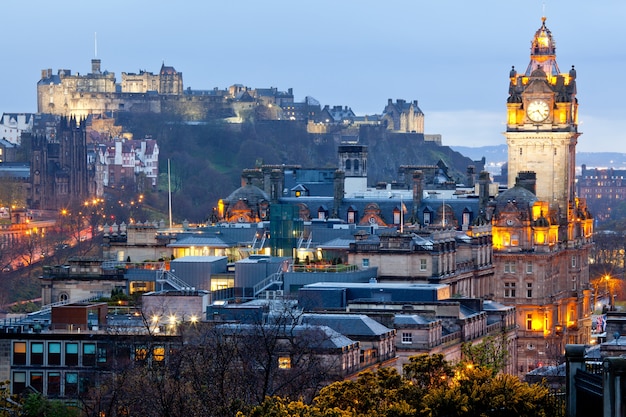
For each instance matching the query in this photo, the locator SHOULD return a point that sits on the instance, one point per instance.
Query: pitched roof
(348, 324)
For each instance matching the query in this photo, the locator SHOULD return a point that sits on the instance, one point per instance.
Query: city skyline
(453, 58)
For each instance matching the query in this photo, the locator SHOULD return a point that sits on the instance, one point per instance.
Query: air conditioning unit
(279, 293)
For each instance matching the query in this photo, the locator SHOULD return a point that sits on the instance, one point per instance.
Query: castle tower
(353, 161)
(542, 125)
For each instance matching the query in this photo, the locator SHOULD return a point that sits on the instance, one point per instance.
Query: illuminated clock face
(538, 110)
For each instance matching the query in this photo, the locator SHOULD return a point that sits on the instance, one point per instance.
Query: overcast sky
(453, 56)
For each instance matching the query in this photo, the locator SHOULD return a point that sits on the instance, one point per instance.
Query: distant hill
(497, 155)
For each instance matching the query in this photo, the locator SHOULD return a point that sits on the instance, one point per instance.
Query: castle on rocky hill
(98, 92)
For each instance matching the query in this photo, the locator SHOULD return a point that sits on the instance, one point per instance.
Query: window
(466, 218)
(351, 217)
(365, 263)
(426, 217)
(89, 354)
(71, 383)
(407, 338)
(54, 384)
(71, 354)
(509, 267)
(158, 353)
(529, 321)
(509, 290)
(54, 353)
(529, 267)
(19, 381)
(36, 353)
(284, 362)
(36, 381)
(19, 354)
(529, 290)
(396, 216)
(423, 264)
(141, 353)
(102, 355)
(573, 261)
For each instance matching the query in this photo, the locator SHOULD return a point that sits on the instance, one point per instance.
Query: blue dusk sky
(453, 56)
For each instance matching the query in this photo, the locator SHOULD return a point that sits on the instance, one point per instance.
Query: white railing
(167, 277)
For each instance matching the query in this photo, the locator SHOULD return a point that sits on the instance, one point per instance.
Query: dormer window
(352, 215)
(428, 216)
(322, 213)
(397, 216)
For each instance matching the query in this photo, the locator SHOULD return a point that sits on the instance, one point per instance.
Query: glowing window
(141, 353)
(158, 353)
(19, 353)
(284, 362)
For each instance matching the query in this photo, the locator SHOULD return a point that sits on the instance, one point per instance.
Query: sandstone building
(542, 232)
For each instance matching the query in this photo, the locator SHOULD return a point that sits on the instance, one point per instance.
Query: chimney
(483, 190)
(528, 180)
(471, 172)
(418, 191)
(338, 191)
(276, 179)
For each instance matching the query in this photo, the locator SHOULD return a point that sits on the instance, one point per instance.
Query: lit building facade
(542, 232)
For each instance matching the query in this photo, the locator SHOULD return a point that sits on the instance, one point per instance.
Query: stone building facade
(603, 188)
(542, 232)
(60, 175)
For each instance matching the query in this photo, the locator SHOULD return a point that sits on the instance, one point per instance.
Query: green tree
(429, 388)
(9, 404)
(477, 392)
(379, 393)
(491, 353)
(428, 371)
(36, 405)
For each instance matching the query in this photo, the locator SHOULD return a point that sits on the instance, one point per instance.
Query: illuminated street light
(607, 279)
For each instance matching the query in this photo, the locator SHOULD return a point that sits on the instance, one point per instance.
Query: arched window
(356, 164)
(348, 165)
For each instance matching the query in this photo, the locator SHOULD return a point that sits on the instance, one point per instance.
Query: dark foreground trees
(430, 387)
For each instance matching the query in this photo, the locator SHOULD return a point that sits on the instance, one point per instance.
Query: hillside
(207, 159)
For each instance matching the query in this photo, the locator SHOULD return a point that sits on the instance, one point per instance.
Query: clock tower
(542, 126)
(541, 232)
